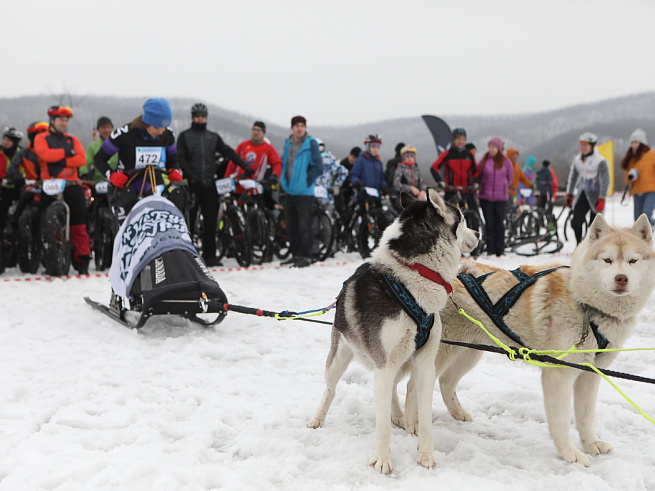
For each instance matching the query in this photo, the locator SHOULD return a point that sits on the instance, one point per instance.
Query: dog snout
(621, 281)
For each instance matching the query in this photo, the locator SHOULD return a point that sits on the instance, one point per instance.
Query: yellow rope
(526, 352)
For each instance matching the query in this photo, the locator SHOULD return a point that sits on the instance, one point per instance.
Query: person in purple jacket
(495, 177)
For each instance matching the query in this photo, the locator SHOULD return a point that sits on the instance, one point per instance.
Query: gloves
(600, 205)
(174, 175)
(118, 179)
(272, 180)
(358, 185)
(248, 171)
(476, 186)
(385, 190)
(442, 184)
(569, 200)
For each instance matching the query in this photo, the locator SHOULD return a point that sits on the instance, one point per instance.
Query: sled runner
(156, 270)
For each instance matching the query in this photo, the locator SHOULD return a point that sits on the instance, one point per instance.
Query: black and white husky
(388, 316)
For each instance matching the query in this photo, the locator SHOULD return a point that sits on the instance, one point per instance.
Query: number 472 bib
(147, 156)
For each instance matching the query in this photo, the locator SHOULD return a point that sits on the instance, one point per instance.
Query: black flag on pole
(440, 131)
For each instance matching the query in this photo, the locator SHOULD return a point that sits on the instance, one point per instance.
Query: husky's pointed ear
(642, 228)
(406, 199)
(598, 228)
(439, 204)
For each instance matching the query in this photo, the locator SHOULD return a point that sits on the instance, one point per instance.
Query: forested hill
(549, 135)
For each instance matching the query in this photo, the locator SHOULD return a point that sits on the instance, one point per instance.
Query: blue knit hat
(157, 112)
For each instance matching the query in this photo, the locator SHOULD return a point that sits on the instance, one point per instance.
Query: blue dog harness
(499, 310)
(424, 322)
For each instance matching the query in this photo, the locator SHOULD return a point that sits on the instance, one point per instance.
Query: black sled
(156, 270)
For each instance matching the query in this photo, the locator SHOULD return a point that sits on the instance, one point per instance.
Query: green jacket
(91, 151)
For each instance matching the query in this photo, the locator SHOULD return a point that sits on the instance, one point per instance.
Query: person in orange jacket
(60, 156)
(519, 175)
(638, 166)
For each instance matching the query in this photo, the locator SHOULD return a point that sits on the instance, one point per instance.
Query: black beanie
(260, 124)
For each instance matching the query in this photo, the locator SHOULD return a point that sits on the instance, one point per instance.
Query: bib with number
(372, 192)
(224, 186)
(251, 184)
(53, 187)
(101, 187)
(146, 156)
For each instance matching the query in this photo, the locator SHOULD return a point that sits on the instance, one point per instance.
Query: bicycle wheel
(324, 233)
(239, 234)
(29, 240)
(56, 243)
(538, 245)
(103, 243)
(370, 232)
(281, 244)
(259, 234)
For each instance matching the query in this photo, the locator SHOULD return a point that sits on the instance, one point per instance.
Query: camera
(633, 175)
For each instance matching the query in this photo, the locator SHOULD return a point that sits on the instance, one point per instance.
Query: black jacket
(197, 153)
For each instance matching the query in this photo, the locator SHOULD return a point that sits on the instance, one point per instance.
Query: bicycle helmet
(199, 110)
(588, 137)
(37, 127)
(408, 150)
(458, 132)
(373, 138)
(60, 112)
(12, 133)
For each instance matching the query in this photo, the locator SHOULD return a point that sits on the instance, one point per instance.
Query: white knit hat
(639, 135)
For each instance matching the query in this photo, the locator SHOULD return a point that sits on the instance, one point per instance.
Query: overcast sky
(335, 61)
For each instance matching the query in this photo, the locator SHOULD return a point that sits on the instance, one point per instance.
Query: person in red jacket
(60, 156)
(458, 167)
(259, 155)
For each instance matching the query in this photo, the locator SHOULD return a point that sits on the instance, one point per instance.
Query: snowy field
(87, 404)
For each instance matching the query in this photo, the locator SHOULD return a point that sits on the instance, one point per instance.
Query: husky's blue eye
(607, 260)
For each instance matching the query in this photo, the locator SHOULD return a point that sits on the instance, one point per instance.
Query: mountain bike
(233, 236)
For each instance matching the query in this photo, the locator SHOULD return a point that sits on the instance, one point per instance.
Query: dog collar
(429, 274)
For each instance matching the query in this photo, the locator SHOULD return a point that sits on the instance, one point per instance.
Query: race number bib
(372, 192)
(101, 187)
(53, 187)
(320, 192)
(224, 186)
(251, 184)
(147, 156)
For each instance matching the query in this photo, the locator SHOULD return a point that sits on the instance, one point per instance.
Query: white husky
(421, 251)
(592, 304)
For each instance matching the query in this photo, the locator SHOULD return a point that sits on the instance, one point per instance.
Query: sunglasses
(60, 111)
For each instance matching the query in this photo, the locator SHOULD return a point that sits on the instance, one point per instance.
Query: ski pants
(206, 198)
(579, 216)
(494, 218)
(298, 214)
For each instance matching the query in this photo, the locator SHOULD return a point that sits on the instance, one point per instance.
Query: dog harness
(499, 310)
(424, 322)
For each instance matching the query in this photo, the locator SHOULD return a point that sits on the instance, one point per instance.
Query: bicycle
(376, 215)
(233, 236)
(102, 227)
(542, 243)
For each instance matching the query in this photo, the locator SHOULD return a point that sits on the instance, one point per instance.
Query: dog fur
(371, 325)
(612, 270)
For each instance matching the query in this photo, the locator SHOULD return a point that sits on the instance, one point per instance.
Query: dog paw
(461, 414)
(314, 423)
(412, 428)
(399, 421)
(427, 460)
(574, 456)
(381, 464)
(597, 448)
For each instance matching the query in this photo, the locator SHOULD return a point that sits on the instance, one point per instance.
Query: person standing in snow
(587, 184)
(495, 178)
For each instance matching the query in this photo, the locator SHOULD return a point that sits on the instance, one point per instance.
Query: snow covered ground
(88, 404)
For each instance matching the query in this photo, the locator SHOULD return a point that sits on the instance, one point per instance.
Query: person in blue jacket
(368, 171)
(301, 165)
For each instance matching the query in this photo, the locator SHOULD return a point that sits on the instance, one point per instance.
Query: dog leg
(338, 361)
(397, 417)
(384, 379)
(456, 363)
(584, 400)
(411, 407)
(557, 385)
(424, 375)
